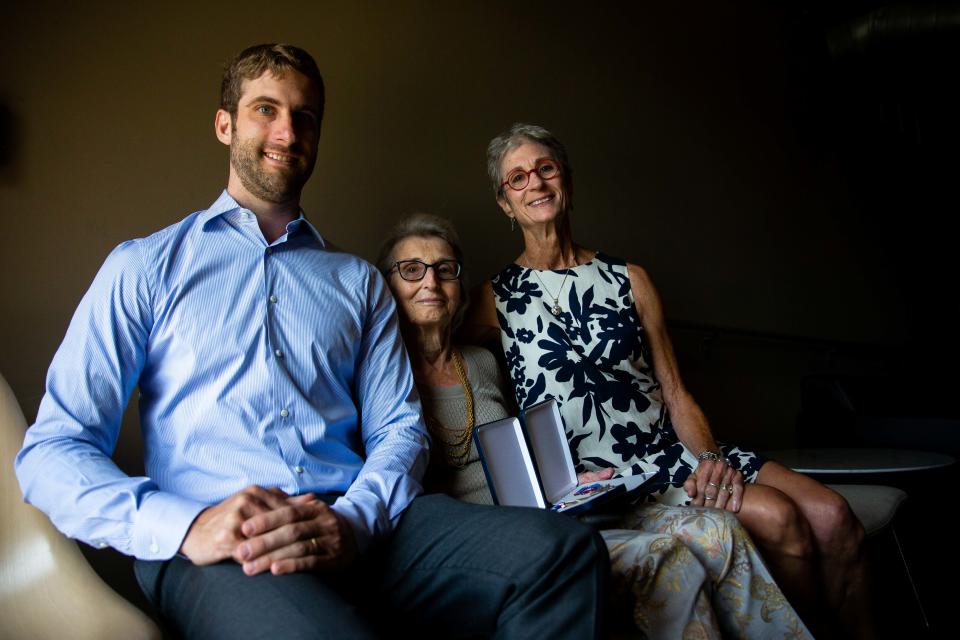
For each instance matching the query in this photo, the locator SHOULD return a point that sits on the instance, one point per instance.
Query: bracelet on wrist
(712, 456)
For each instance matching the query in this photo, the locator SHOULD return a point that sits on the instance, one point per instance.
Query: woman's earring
(513, 223)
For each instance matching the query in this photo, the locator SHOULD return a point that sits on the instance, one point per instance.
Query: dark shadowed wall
(712, 143)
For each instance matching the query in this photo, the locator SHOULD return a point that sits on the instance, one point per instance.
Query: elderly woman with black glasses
(588, 329)
(678, 572)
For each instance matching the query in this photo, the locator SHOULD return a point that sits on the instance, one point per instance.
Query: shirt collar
(226, 204)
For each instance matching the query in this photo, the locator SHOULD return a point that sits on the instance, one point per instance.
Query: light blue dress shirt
(280, 366)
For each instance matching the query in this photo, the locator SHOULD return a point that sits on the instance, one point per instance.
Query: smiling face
(541, 201)
(273, 138)
(430, 303)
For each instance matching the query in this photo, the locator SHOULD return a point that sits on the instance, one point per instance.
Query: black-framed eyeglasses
(414, 270)
(518, 179)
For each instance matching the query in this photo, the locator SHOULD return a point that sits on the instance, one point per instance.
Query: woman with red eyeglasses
(587, 329)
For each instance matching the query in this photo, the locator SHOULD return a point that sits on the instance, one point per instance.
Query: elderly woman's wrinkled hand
(715, 484)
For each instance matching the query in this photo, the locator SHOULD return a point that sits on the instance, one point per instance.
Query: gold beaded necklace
(457, 449)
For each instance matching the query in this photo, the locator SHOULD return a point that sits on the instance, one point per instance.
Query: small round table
(864, 461)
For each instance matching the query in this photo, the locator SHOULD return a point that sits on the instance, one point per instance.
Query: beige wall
(677, 120)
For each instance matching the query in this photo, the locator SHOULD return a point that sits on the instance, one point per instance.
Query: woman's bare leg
(838, 538)
(786, 541)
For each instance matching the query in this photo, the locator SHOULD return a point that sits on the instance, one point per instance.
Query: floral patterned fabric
(688, 572)
(593, 358)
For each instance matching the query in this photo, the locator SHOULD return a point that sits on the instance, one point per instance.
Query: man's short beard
(277, 188)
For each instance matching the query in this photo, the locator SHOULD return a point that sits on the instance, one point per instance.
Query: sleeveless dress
(593, 357)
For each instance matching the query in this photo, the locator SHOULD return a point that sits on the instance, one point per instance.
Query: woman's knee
(776, 522)
(836, 528)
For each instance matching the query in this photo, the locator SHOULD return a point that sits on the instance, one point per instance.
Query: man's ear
(223, 126)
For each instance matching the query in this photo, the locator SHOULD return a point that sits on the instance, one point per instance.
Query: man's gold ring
(315, 545)
(705, 498)
(713, 484)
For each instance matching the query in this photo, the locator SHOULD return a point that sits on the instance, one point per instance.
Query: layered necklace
(456, 449)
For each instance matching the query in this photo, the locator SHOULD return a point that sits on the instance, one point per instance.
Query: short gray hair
(425, 225)
(518, 134)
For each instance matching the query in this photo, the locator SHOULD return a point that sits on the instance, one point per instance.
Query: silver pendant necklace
(556, 310)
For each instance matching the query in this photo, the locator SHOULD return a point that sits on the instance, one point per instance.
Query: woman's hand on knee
(717, 485)
(709, 475)
(692, 487)
(730, 490)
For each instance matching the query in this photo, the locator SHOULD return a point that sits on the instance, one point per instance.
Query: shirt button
(284, 413)
(298, 469)
(269, 250)
(102, 545)
(154, 547)
(273, 299)
(279, 353)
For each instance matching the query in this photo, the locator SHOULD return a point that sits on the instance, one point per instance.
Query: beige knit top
(447, 407)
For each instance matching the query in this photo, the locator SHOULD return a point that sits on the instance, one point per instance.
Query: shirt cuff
(362, 523)
(162, 523)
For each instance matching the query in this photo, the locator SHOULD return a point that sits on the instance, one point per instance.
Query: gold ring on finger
(705, 498)
(315, 545)
(713, 484)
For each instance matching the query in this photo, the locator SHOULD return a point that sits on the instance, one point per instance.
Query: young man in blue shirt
(282, 434)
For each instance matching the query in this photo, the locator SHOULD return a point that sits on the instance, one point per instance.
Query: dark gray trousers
(450, 569)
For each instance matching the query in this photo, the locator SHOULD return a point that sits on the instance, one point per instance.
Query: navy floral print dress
(589, 352)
